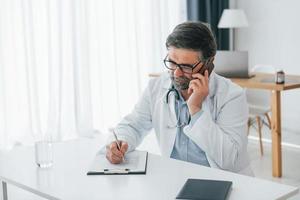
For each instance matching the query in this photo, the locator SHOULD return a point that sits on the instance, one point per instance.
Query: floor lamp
(233, 18)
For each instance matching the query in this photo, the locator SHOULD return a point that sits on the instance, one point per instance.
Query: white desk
(68, 180)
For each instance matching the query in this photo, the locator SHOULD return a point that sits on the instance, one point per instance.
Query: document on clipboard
(135, 163)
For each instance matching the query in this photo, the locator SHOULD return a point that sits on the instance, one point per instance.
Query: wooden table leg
(276, 134)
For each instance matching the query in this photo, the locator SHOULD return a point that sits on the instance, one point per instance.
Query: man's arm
(225, 139)
(135, 126)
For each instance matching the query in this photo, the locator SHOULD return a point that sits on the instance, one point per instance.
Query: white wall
(273, 37)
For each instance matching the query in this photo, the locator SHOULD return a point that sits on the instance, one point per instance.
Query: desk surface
(67, 178)
(267, 81)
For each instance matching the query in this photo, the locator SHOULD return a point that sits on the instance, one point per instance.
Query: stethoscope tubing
(173, 89)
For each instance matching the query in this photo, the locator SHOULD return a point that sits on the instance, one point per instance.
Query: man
(197, 116)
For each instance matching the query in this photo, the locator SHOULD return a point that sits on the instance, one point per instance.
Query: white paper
(134, 161)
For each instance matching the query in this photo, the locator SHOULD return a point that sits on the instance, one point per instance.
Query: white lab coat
(220, 131)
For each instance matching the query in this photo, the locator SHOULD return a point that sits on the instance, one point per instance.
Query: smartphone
(208, 65)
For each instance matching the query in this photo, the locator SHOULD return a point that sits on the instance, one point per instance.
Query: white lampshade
(233, 18)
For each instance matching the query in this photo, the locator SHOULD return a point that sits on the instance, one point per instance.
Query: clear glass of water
(44, 154)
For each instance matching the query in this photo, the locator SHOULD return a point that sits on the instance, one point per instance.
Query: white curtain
(69, 68)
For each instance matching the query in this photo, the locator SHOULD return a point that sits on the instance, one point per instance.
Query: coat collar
(166, 83)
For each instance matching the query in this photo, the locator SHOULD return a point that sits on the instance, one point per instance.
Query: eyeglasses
(185, 68)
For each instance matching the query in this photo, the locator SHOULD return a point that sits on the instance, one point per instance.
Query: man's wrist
(194, 109)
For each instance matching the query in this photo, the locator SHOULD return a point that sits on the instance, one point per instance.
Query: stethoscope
(172, 89)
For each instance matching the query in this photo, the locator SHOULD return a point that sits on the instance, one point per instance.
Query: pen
(117, 141)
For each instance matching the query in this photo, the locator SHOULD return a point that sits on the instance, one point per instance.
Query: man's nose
(178, 72)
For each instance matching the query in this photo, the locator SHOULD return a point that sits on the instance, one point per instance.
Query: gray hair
(196, 36)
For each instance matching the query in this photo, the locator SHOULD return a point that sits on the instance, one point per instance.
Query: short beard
(180, 83)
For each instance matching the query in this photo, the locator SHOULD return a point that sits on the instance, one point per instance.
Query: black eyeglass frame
(181, 66)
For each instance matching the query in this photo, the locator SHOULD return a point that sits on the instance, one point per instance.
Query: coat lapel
(168, 119)
(168, 127)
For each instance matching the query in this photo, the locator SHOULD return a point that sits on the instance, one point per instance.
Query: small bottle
(279, 79)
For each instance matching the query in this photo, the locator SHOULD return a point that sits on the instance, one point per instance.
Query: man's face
(180, 79)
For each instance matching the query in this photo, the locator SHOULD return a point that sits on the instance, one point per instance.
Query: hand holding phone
(208, 65)
(198, 88)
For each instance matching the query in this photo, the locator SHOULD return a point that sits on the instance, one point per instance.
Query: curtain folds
(69, 68)
(210, 11)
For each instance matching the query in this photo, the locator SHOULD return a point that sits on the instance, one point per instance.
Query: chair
(259, 102)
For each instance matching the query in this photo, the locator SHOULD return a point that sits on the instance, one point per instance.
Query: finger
(206, 76)
(114, 149)
(197, 75)
(112, 154)
(124, 147)
(193, 87)
(197, 82)
(204, 79)
(117, 153)
(115, 159)
(190, 90)
(114, 146)
(112, 159)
